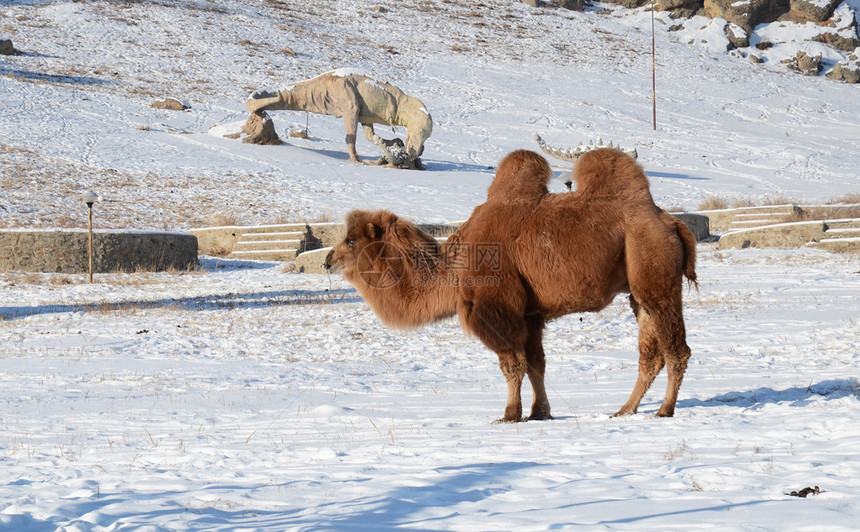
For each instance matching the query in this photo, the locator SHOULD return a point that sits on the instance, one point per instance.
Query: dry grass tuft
(777, 200)
(713, 203)
(224, 220)
(847, 198)
(676, 452)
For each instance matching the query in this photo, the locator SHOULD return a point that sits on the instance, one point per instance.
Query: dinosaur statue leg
(350, 122)
(370, 134)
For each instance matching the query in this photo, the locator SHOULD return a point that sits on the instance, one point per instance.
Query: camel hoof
(540, 413)
(504, 421)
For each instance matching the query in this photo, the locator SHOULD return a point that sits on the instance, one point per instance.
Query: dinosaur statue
(357, 99)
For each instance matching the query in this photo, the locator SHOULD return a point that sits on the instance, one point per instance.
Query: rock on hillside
(833, 23)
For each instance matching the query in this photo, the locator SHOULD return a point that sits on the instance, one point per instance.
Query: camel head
(397, 268)
(380, 250)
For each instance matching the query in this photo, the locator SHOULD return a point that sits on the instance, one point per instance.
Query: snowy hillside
(77, 102)
(245, 397)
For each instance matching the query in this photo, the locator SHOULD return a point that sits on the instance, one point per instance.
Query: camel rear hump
(608, 172)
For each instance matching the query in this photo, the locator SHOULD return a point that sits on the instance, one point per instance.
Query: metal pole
(653, 71)
(90, 208)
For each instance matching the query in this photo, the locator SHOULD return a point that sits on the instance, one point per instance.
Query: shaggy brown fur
(527, 256)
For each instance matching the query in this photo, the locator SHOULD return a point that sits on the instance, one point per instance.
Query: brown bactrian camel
(358, 100)
(526, 256)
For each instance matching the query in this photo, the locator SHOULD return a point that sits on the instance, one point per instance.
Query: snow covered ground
(242, 396)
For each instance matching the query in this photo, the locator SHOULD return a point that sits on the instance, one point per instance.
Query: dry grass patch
(847, 198)
(224, 219)
(713, 203)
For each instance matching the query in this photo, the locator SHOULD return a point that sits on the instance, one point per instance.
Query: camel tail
(688, 241)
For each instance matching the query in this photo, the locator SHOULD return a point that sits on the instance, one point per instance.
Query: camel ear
(372, 231)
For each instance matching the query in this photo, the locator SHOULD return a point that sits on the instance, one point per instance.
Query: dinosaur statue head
(419, 128)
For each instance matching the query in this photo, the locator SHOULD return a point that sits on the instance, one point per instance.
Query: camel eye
(350, 242)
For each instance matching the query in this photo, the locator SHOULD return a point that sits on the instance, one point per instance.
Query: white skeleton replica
(572, 155)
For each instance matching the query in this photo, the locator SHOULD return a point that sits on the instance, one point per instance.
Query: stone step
(843, 245)
(779, 211)
(282, 235)
(757, 222)
(847, 224)
(760, 218)
(279, 228)
(265, 245)
(841, 233)
(269, 254)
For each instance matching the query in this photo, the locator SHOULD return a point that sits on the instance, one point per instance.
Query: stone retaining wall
(66, 251)
(778, 235)
(721, 220)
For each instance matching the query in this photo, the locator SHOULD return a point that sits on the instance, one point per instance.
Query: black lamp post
(90, 198)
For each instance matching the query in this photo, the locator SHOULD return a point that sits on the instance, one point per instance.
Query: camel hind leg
(677, 354)
(662, 342)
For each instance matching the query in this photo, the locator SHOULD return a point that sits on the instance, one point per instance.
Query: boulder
(737, 36)
(574, 5)
(739, 13)
(6, 47)
(171, 104)
(745, 13)
(814, 10)
(260, 129)
(842, 30)
(808, 65)
(845, 72)
(699, 224)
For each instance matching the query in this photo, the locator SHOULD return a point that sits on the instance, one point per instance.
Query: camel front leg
(537, 368)
(504, 331)
(513, 366)
(350, 122)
